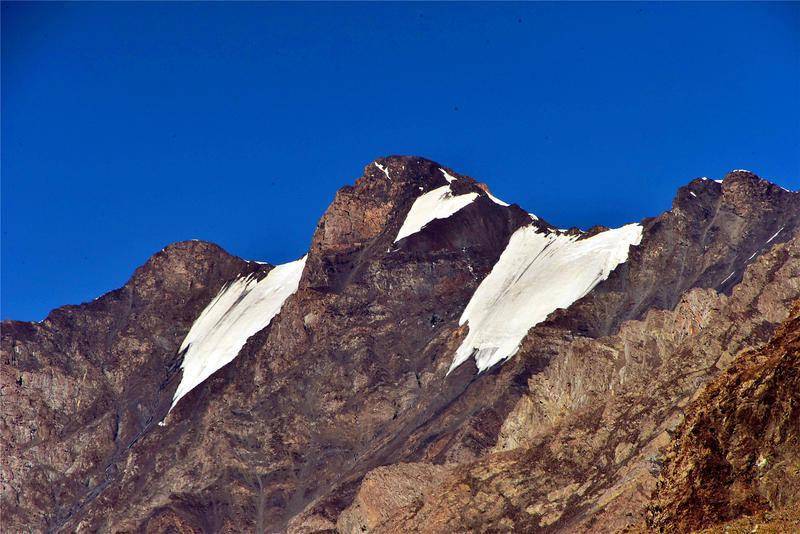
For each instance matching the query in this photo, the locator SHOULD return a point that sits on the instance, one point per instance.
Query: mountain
(439, 361)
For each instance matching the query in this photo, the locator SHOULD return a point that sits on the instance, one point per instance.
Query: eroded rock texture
(738, 452)
(339, 414)
(582, 450)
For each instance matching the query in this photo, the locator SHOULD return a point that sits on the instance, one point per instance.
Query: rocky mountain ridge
(348, 382)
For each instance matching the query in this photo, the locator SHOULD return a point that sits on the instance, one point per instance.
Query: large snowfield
(240, 309)
(538, 273)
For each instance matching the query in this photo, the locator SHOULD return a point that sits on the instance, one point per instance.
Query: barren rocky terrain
(663, 399)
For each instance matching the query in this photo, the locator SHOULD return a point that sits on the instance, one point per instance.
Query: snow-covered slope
(436, 204)
(242, 308)
(537, 273)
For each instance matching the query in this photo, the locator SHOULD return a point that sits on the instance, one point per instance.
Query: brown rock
(738, 451)
(384, 491)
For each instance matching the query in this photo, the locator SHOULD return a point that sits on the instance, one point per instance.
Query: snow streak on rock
(240, 309)
(775, 235)
(537, 274)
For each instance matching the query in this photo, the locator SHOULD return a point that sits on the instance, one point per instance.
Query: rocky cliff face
(340, 414)
(738, 451)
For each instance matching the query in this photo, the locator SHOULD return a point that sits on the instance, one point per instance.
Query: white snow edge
(775, 235)
(497, 200)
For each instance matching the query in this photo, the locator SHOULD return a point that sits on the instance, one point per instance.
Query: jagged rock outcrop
(738, 451)
(385, 490)
(340, 415)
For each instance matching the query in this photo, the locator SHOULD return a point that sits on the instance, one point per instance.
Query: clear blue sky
(129, 126)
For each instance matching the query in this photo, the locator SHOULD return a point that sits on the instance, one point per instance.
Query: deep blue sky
(129, 126)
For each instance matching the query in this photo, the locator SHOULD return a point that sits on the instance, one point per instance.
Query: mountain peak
(752, 182)
(741, 174)
(403, 170)
(741, 190)
(395, 198)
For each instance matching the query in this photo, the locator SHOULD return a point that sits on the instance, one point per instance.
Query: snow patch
(537, 273)
(436, 204)
(383, 169)
(692, 193)
(241, 308)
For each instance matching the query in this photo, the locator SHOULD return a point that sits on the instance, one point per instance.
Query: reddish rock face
(386, 490)
(738, 451)
(350, 376)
